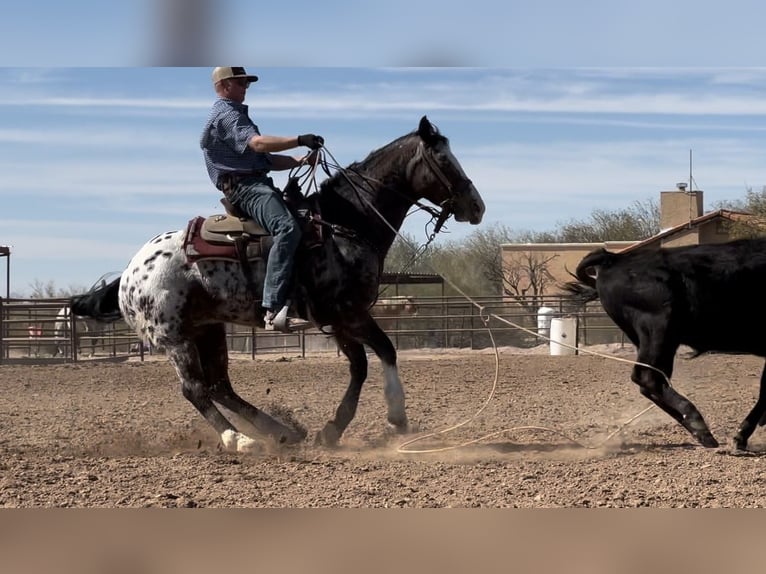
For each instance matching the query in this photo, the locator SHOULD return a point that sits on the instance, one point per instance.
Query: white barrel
(563, 330)
(544, 316)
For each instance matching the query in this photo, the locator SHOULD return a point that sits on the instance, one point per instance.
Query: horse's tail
(100, 303)
(584, 289)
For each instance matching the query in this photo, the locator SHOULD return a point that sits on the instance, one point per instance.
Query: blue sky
(554, 108)
(526, 33)
(96, 161)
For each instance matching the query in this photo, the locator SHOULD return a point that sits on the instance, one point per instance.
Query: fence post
(2, 331)
(470, 338)
(445, 323)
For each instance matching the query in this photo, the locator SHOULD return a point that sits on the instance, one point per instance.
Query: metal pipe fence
(30, 330)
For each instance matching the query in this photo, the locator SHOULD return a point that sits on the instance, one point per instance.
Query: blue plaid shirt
(224, 142)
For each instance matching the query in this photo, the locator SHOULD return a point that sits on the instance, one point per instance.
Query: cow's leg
(654, 386)
(354, 351)
(214, 362)
(756, 416)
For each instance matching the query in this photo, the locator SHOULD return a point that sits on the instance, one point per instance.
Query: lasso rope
(485, 318)
(402, 448)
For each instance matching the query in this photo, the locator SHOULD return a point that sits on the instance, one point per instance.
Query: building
(682, 222)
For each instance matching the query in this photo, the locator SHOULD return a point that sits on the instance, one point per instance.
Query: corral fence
(31, 330)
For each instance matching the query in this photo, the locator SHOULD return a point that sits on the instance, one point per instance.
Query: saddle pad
(218, 228)
(196, 247)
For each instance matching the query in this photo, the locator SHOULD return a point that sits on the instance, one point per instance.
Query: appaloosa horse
(183, 305)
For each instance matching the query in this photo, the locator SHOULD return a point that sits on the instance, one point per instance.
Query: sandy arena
(96, 434)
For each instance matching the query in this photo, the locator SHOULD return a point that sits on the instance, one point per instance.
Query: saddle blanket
(223, 237)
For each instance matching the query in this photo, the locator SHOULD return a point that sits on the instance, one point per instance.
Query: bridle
(447, 205)
(441, 215)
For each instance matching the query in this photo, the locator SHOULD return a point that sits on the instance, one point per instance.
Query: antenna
(691, 190)
(690, 172)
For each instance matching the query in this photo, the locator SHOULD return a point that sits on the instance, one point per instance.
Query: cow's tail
(100, 303)
(584, 289)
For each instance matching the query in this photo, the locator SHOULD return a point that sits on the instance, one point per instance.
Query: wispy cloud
(110, 172)
(686, 93)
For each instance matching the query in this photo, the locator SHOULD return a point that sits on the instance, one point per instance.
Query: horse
(396, 306)
(85, 327)
(386, 311)
(183, 306)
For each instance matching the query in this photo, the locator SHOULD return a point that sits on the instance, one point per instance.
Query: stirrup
(281, 322)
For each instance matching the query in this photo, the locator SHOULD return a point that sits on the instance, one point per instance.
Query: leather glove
(311, 141)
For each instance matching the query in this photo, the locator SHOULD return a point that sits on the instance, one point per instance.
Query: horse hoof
(293, 437)
(739, 445)
(707, 440)
(328, 436)
(234, 441)
(399, 428)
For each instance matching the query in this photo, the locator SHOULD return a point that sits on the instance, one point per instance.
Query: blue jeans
(261, 200)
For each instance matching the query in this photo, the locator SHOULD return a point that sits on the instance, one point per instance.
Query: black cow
(705, 296)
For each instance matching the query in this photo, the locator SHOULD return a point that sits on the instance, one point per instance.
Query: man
(238, 159)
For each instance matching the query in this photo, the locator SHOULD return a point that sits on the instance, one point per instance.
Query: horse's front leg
(394, 392)
(354, 352)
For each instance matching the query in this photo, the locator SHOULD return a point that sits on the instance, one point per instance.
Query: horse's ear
(426, 130)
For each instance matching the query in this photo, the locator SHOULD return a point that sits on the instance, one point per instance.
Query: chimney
(679, 207)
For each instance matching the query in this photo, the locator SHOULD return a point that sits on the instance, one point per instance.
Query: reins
(367, 188)
(446, 205)
(441, 217)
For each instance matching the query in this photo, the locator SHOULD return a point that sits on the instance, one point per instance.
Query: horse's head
(436, 174)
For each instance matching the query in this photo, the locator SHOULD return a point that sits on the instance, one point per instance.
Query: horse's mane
(377, 161)
(379, 178)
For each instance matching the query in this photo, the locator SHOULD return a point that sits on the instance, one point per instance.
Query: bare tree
(48, 290)
(405, 256)
(42, 290)
(640, 221)
(526, 277)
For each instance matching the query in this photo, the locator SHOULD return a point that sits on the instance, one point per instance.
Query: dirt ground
(545, 433)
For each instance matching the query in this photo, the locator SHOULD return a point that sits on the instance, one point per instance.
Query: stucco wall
(564, 257)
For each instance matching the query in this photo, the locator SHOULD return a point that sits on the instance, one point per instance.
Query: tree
(526, 277)
(754, 204)
(48, 290)
(405, 256)
(639, 221)
(483, 247)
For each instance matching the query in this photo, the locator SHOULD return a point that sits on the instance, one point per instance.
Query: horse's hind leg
(186, 360)
(214, 361)
(757, 416)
